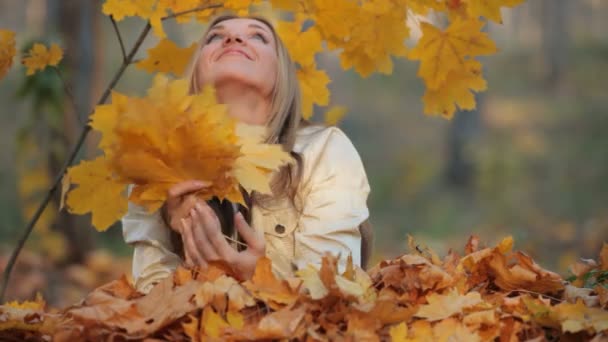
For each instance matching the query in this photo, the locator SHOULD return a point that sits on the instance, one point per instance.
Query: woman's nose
(233, 39)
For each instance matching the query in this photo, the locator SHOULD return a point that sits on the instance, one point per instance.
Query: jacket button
(279, 228)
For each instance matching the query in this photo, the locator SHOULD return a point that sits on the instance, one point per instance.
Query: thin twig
(196, 9)
(85, 130)
(536, 293)
(70, 94)
(122, 45)
(235, 241)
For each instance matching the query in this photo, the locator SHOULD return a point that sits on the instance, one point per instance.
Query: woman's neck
(244, 103)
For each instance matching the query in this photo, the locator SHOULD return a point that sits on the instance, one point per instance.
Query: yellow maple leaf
(455, 91)
(119, 9)
(191, 328)
(334, 18)
(98, 192)
(39, 57)
(7, 51)
(302, 46)
(167, 57)
(38, 304)
(443, 51)
(422, 7)
(312, 282)
(334, 115)
(453, 330)
(254, 166)
(179, 6)
(489, 8)
(443, 306)
(313, 86)
(399, 333)
(155, 142)
(288, 5)
(212, 323)
(150, 10)
(576, 317)
(379, 35)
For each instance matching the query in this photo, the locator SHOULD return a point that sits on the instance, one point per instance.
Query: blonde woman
(318, 203)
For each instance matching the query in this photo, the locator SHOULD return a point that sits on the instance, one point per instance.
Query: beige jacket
(334, 189)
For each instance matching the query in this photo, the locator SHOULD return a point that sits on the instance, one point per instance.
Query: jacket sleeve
(153, 258)
(334, 189)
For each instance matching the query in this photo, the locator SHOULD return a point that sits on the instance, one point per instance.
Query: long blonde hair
(286, 116)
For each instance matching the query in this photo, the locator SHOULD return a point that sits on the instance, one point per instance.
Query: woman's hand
(180, 200)
(204, 241)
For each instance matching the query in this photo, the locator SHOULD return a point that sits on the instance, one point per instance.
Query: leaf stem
(83, 134)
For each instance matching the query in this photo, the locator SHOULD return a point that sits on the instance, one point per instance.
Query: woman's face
(241, 50)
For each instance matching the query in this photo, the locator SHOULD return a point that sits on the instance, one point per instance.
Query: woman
(318, 203)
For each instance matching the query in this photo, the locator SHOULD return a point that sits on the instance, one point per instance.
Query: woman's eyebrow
(260, 27)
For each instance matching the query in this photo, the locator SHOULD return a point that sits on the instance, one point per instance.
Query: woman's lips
(235, 52)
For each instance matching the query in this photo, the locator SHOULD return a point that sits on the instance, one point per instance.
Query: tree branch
(122, 45)
(85, 130)
(70, 94)
(196, 9)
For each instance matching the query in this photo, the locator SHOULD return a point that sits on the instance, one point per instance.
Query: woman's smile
(234, 52)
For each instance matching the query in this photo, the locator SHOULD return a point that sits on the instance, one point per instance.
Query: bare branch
(85, 131)
(122, 45)
(196, 9)
(70, 94)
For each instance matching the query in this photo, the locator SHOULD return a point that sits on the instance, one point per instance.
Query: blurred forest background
(531, 162)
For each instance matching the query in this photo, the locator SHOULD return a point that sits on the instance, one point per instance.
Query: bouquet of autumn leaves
(167, 137)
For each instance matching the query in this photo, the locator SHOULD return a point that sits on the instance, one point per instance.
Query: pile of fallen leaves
(489, 293)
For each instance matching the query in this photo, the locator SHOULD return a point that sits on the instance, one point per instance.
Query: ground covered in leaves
(490, 293)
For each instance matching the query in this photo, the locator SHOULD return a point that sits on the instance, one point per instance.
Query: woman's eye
(213, 37)
(260, 37)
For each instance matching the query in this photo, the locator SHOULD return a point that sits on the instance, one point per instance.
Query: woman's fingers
(200, 235)
(213, 231)
(189, 242)
(251, 237)
(185, 187)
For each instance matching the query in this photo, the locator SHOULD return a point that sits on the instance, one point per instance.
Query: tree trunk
(76, 22)
(554, 40)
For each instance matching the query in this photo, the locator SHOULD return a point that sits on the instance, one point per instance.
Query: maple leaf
(334, 115)
(39, 57)
(489, 8)
(453, 330)
(150, 10)
(334, 18)
(399, 332)
(576, 317)
(7, 51)
(312, 282)
(212, 323)
(302, 46)
(455, 91)
(97, 188)
(313, 86)
(443, 306)
(443, 51)
(119, 9)
(167, 57)
(257, 160)
(155, 142)
(265, 286)
(379, 35)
